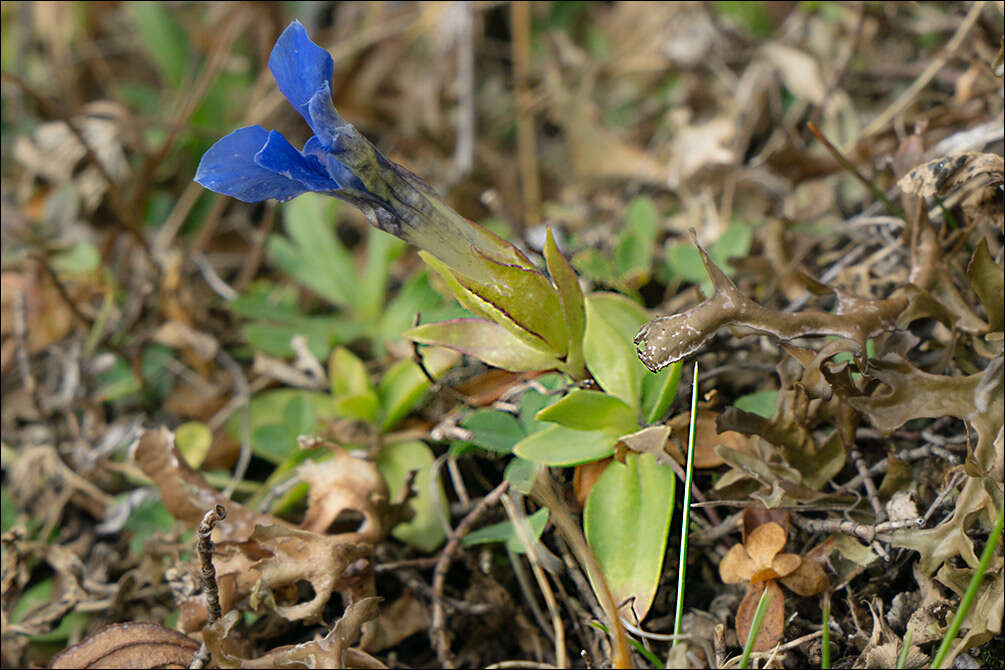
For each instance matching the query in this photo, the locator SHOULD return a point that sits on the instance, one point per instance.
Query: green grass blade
(825, 649)
(902, 657)
(755, 627)
(686, 509)
(968, 597)
(636, 645)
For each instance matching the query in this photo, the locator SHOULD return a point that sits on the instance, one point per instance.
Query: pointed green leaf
(487, 341)
(561, 446)
(505, 532)
(591, 410)
(312, 254)
(626, 521)
(395, 461)
(573, 305)
(524, 297)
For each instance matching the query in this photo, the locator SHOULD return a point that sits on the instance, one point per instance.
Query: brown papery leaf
(764, 544)
(785, 564)
(773, 624)
(706, 439)
(186, 493)
(130, 645)
(808, 579)
(736, 566)
(755, 516)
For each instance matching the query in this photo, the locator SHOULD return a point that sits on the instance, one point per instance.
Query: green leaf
(381, 250)
(525, 303)
(506, 532)
(560, 446)
(611, 324)
(633, 254)
(149, 517)
(273, 436)
(395, 461)
(194, 439)
(659, 391)
(521, 473)
(348, 373)
(312, 254)
(402, 388)
(761, 403)
(626, 521)
(494, 430)
(487, 341)
(591, 410)
(572, 301)
(164, 37)
(532, 402)
(82, 257)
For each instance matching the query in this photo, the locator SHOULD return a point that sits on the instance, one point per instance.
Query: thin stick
(850, 167)
(908, 96)
(437, 630)
(520, 525)
(870, 487)
(686, 518)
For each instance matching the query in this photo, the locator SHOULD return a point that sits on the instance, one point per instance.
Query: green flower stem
(685, 520)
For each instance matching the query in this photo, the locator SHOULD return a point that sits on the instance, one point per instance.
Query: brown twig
(870, 487)
(204, 546)
(437, 629)
(860, 530)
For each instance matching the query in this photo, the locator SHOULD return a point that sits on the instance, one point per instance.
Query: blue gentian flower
(254, 164)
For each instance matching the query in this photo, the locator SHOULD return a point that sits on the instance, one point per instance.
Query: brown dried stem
(204, 546)
(437, 629)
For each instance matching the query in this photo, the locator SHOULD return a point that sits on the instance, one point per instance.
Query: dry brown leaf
(773, 624)
(706, 439)
(808, 579)
(130, 645)
(799, 71)
(347, 483)
(764, 543)
(186, 493)
(736, 566)
(585, 476)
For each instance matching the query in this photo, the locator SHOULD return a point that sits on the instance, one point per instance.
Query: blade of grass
(971, 593)
(686, 509)
(755, 627)
(825, 649)
(850, 167)
(902, 657)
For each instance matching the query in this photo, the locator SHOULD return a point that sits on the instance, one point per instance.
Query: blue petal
(336, 170)
(281, 157)
(229, 168)
(300, 67)
(326, 123)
